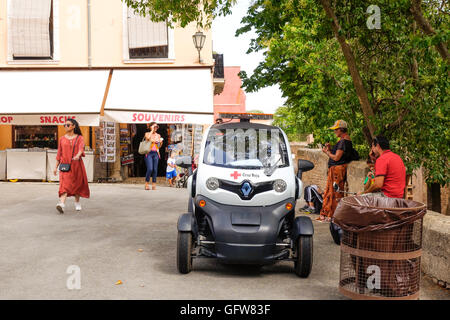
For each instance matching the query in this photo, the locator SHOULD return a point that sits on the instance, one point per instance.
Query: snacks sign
(49, 119)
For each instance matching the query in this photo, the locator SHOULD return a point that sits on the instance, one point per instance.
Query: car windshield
(246, 148)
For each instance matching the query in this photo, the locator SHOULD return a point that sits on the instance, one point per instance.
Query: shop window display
(45, 137)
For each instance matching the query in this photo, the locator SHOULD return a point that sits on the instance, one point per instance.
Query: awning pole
(89, 34)
(105, 96)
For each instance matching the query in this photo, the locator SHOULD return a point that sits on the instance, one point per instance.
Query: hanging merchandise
(106, 142)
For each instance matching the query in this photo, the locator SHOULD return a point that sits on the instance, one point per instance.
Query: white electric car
(242, 200)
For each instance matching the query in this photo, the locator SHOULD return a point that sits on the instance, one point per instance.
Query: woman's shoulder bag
(144, 146)
(65, 167)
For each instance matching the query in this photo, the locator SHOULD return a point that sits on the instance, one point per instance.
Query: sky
(234, 54)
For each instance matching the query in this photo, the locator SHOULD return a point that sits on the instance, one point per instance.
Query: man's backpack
(353, 155)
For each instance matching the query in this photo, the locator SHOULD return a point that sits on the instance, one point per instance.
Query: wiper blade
(269, 170)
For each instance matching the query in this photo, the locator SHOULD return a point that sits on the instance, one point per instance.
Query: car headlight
(212, 183)
(279, 185)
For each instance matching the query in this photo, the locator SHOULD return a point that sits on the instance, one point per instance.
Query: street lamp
(199, 41)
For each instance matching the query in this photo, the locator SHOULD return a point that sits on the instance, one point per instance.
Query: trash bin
(381, 247)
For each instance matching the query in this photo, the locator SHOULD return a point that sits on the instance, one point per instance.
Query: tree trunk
(425, 26)
(447, 213)
(361, 92)
(414, 65)
(434, 197)
(367, 135)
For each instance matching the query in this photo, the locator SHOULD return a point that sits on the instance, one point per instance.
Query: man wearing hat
(339, 156)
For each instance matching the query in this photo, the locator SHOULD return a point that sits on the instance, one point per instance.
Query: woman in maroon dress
(73, 182)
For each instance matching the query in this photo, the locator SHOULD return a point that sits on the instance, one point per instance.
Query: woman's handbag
(65, 167)
(144, 146)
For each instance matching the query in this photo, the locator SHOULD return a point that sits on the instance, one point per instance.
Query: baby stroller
(185, 163)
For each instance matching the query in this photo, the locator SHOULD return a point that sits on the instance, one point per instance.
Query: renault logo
(246, 189)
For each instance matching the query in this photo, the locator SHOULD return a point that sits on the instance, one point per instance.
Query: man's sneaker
(305, 207)
(77, 206)
(60, 207)
(310, 210)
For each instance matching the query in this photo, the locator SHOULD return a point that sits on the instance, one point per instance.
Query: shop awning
(50, 97)
(163, 96)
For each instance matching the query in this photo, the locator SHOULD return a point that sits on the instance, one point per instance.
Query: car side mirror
(303, 166)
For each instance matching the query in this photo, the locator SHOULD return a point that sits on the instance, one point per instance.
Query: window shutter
(144, 33)
(30, 28)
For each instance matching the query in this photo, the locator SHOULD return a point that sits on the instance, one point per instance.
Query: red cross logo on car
(235, 175)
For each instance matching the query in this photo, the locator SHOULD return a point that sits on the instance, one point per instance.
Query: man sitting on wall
(390, 172)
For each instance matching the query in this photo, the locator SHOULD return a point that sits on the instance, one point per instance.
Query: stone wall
(436, 248)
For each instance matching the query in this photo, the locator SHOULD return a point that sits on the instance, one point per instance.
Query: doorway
(139, 167)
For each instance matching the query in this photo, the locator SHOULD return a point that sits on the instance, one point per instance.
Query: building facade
(99, 62)
(232, 98)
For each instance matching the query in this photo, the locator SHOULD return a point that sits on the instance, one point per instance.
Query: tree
(329, 65)
(182, 12)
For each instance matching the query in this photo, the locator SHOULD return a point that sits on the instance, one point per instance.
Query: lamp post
(199, 40)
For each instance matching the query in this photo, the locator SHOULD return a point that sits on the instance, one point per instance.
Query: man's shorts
(171, 174)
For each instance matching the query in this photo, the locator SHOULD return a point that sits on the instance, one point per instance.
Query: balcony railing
(218, 66)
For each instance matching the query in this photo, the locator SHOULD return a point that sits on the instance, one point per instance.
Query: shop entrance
(139, 167)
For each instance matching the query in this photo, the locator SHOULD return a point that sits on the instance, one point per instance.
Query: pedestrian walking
(152, 158)
(339, 156)
(72, 173)
(390, 171)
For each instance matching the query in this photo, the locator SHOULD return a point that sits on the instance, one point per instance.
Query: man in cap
(339, 156)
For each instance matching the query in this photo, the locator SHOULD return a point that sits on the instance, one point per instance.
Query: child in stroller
(184, 171)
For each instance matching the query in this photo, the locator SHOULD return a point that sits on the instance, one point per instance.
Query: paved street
(104, 240)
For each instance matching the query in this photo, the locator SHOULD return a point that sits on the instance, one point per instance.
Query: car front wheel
(184, 252)
(303, 263)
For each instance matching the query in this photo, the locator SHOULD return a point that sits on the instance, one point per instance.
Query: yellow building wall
(107, 38)
(84, 133)
(5, 137)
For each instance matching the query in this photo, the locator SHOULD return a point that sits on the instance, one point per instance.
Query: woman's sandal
(147, 187)
(323, 219)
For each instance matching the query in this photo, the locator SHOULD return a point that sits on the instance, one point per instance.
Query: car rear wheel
(184, 252)
(303, 263)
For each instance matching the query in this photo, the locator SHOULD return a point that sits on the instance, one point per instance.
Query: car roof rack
(246, 117)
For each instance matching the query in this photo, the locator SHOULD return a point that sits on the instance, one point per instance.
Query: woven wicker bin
(381, 248)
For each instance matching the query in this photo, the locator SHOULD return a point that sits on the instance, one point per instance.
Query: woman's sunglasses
(67, 125)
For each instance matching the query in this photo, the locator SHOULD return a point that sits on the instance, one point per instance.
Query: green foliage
(255, 111)
(303, 57)
(182, 12)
